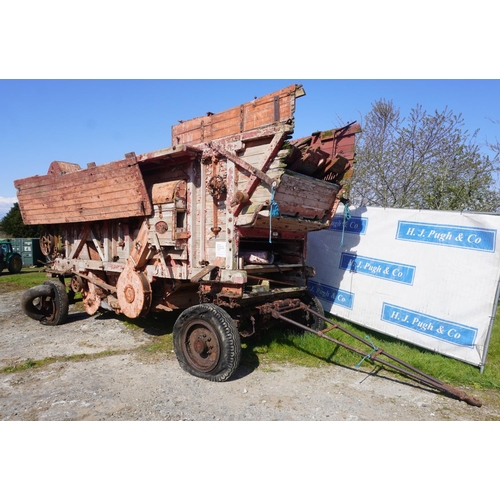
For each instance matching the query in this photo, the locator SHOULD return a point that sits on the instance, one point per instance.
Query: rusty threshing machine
(214, 226)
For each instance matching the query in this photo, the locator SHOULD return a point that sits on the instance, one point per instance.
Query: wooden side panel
(254, 155)
(301, 196)
(278, 107)
(111, 191)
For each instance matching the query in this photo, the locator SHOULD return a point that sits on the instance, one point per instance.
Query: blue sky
(83, 121)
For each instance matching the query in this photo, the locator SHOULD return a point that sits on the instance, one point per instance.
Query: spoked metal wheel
(47, 243)
(207, 343)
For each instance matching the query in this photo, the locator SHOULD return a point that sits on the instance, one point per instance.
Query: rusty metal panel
(327, 155)
(278, 107)
(110, 191)
(167, 192)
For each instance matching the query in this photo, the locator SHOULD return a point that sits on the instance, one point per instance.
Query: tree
(426, 161)
(495, 146)
(12, 224)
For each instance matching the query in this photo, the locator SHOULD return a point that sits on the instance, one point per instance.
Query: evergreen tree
(13, 226)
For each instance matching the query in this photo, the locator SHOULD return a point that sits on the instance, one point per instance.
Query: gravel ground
(132, 384)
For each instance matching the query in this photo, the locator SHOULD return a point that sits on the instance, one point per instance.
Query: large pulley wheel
(207, 342)
(47, 303)
(134, 293)
(47, 243)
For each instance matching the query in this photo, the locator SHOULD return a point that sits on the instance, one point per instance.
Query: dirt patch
(98, 369)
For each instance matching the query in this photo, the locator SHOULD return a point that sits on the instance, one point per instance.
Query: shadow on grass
(155, 324)
(369, 368)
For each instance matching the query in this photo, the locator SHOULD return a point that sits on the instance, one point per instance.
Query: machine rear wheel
(47, 303)
(58, 312)
(207, 343)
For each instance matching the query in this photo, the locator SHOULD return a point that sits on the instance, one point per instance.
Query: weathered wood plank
(305, 200)
(58, 204)
(86, 215)
(276, 107)
(103, 192)
(291, 225)
(111, 174)
(117, 188)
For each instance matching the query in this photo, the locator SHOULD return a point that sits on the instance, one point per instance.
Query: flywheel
(133, 292)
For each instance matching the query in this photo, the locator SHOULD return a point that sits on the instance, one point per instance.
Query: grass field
(310, 350)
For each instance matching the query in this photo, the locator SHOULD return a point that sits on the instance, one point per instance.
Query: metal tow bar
(277, 309)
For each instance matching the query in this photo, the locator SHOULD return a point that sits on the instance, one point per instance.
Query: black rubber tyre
(60, 305)
(15, 264)
(312, 321)
(47, 303)
(207, 343)
(306, 318)
(33, 300)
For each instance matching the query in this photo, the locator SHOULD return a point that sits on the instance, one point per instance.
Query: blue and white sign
(342, 298)
(430, 278)
(355, 225)
(471, 238)
(444, 330)
(377, 268)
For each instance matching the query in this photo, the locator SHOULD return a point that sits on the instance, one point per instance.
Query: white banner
(429, 278)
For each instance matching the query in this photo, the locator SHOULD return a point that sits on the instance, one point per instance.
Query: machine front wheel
(207, 343)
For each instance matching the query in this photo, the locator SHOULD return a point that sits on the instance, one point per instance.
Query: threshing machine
(214, 226)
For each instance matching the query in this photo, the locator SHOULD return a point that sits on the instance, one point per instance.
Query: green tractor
(9, 259)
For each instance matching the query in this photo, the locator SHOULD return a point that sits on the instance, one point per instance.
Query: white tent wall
(429, 278)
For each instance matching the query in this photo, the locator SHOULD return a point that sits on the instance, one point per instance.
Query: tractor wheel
(15, 263)
(47, 303)
(207, 342)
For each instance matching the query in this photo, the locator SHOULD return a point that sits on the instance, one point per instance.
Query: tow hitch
(280, 308)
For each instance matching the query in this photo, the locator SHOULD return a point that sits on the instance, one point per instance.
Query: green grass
(310, 350)
(27, 278)
(37, 363)
(159, 326)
